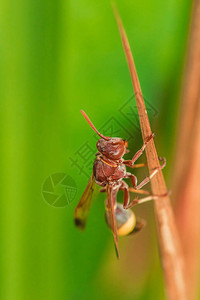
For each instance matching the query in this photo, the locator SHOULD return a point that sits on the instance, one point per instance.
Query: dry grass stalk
(170, 249)
(186, 180)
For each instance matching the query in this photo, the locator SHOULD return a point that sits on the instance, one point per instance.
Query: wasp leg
(139, 165)
(145, 199)
(132, 190)
(124, 187)
(147, 179)
(134, 183)
(130, 163)
(133, 179)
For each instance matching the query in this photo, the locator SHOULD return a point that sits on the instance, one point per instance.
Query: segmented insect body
(109, 170)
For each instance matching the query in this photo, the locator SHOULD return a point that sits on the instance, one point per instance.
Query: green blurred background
(57, 57)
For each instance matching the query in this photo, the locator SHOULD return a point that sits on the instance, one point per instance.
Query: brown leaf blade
(170, 248)
(186, 171)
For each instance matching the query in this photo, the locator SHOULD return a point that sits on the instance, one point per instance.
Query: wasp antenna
(90, 123)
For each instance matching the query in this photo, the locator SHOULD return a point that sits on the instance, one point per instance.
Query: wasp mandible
(109, 170)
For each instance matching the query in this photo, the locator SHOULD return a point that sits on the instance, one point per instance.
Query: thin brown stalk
(170, 249)
(186, 179)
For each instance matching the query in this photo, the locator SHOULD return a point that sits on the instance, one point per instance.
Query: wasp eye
(125, 143)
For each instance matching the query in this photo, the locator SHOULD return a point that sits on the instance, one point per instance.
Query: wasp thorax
(114, 148)
(125, 219)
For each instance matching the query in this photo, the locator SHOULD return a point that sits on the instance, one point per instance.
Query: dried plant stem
(186, 180)
(170, 249)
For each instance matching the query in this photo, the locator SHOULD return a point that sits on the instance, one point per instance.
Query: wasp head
(112, 148)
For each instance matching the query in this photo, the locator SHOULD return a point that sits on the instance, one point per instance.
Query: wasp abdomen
(125, 219)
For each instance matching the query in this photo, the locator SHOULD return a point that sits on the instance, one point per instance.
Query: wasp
(109, 172)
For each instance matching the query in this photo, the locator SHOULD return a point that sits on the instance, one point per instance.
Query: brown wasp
(109, 170)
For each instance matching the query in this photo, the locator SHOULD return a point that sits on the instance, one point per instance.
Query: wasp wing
(82, 209)
(111, 204)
